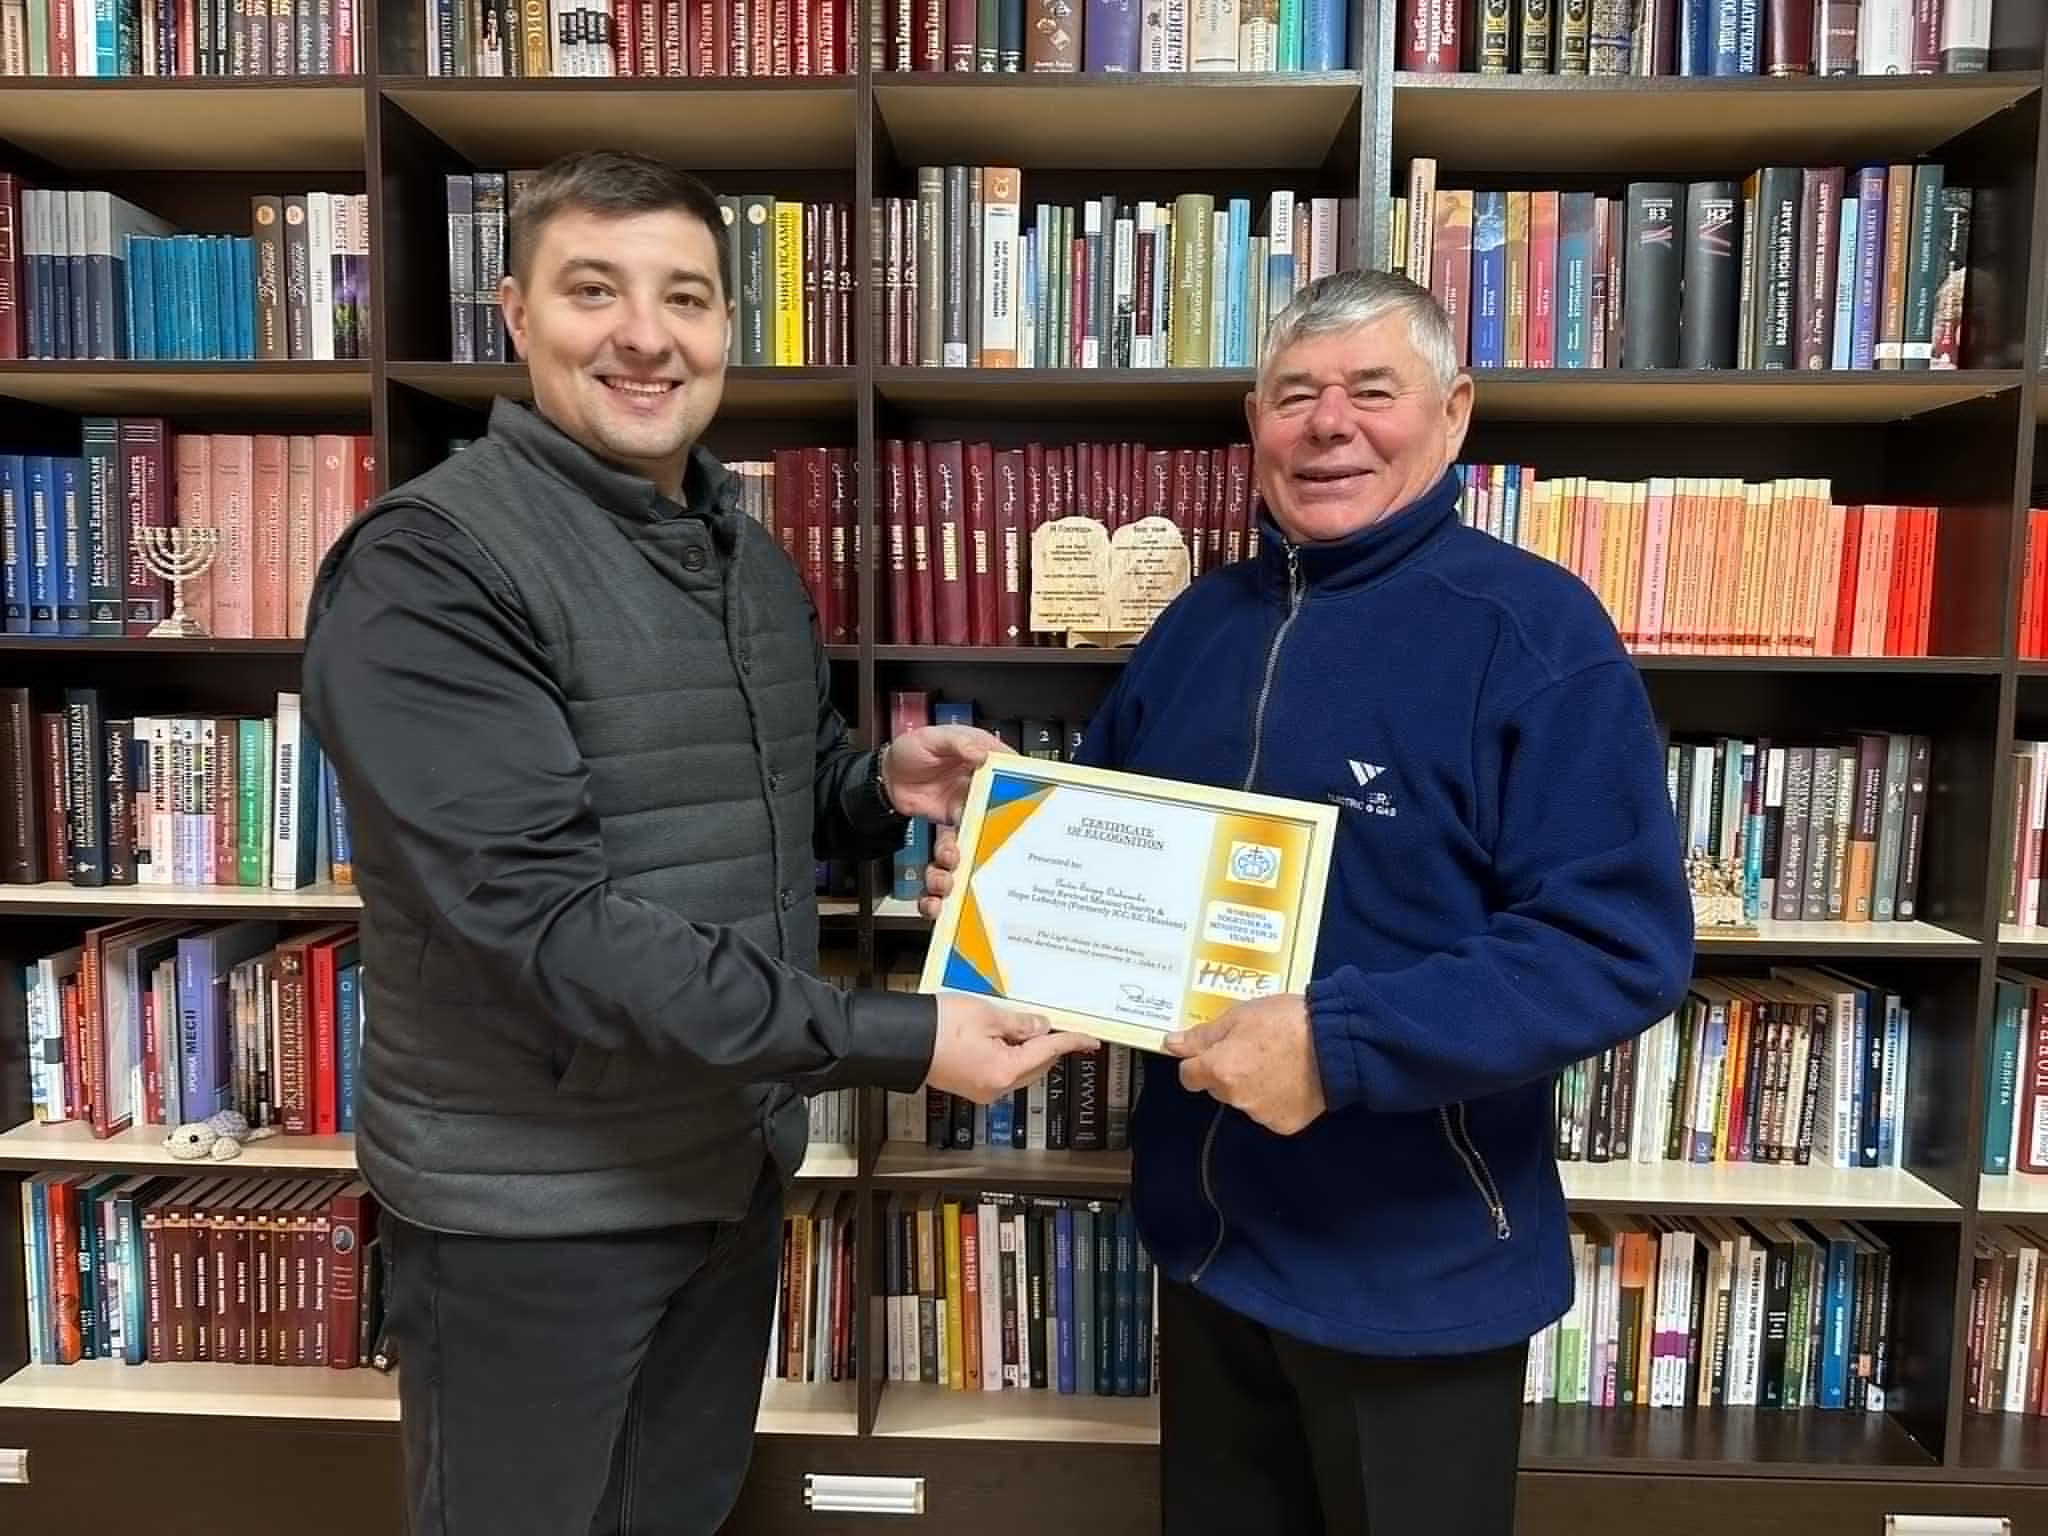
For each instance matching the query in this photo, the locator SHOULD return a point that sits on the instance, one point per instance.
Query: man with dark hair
(581, 719)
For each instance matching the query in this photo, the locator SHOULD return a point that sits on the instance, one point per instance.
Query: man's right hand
(985, 1051)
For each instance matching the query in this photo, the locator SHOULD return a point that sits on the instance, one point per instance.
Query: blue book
(73, 557)
(1489, 278)
(14, 545)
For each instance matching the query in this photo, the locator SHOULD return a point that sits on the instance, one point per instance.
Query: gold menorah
(179, 555)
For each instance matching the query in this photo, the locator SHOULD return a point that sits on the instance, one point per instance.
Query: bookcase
(103, 1440)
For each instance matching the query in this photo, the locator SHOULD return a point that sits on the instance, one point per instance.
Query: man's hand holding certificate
(1125, 907)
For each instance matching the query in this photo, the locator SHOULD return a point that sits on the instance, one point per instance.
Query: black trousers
(1263, 1435)
(588, 1387)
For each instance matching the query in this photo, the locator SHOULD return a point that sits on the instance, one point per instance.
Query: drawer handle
(846, 1494)
(14, 1464)
(1947, 1525)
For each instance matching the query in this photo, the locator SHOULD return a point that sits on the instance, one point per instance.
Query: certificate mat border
(1298, 968)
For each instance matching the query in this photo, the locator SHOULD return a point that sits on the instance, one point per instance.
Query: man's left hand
(1259, 1057)
(927, 769)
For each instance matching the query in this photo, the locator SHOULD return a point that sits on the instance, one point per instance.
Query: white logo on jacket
(1375, 802)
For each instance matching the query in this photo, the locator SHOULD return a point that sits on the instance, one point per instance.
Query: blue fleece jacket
(1507, 897)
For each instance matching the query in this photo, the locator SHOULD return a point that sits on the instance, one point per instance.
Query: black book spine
(1709, 298)
(1650, 277)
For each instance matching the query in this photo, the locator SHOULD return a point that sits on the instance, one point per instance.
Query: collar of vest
(709, 489)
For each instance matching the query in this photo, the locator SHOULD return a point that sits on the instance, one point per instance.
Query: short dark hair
(615, 182)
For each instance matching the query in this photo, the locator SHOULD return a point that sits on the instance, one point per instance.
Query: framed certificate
(1126, 907)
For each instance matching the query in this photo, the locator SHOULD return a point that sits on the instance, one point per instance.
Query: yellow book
(956, 1376)
(789, 285)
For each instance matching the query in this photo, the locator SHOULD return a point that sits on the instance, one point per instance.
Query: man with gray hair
(1350, 1192)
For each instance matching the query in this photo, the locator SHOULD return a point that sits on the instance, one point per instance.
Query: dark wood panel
(202, 1476)
(1560, 1504)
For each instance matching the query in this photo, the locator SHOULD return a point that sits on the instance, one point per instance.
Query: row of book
(88, 540)
(1827, 829)
(1805, 1066)
(812, 1335)
(1697, 565)
(704, 39)
(958, 519)
(95, 798)
(789, 273)
(129, 39)
(162, 1023)
(1082, 1103)
(1711, 1312)
(975, 273)
(102, 279)
(1814, 267)
(2025, 894)
(213, 1265)
(992, 1292)
(2032, 639)
(2005, 1353)
(1698, 38)
(1045, 37)
(2016, 1075)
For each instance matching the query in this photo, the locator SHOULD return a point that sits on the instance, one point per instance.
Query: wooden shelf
(57, 898)
(2005, 1447)
(1887, 1193)
(758, 393)
(2013, 1196)
(1198, 123)
(1003, 655)
(916, 1410)
(1731, 395)
(1014, 393)
(905, 1166)
(1505, 394)
(205, 1388)
(2022, 941)
(107, 645)
(1850, 940)
(71, 1144)
(282, 124)
(261, 389)
(1721, 1442)
(721, 122)
(1669, 126)
(360, 1396)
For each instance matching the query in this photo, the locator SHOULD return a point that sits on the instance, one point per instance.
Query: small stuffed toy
(219, 1137)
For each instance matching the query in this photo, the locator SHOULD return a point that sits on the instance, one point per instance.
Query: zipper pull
(1500, 1224)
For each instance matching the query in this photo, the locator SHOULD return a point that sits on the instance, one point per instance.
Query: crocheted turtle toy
(218, 1137)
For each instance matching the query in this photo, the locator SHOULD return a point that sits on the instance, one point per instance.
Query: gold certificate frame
(1126, 907)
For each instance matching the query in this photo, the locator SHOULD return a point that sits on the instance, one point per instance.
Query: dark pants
(1263, 1435)
(588, 1387)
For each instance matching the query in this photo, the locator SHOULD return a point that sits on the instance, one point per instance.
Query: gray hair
(1344, 301)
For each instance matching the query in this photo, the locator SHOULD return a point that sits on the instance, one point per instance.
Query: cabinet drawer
(194, 1476)
(989, 1487)
(1573, 1503)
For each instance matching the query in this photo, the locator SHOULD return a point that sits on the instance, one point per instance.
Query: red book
(950, 575)
(1013, 609)
(923, 560)
(841, 555)
(980, 524)
(902, 626)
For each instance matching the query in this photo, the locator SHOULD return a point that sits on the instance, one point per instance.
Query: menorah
(179, 555)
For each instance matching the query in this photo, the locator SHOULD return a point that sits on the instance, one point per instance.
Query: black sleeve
(450, 740)
(853, 821)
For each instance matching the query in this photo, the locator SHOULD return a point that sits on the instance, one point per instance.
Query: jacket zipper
(1251, 773)
(1460, 1138)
